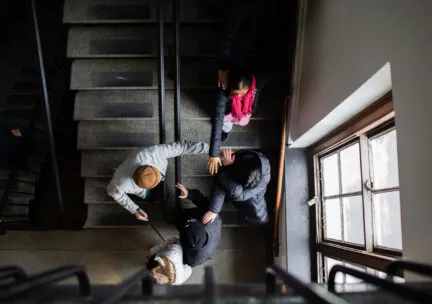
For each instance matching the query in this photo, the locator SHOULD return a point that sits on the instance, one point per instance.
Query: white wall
(345, 43)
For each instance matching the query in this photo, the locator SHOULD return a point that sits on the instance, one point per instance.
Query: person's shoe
(225, 136)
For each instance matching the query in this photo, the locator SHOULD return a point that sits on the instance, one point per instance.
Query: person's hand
(209, 217)
(183, 189)
(223, 79)
(141, 215)
(228, 157)
(16, 132)
(212, 165)
(169, 242)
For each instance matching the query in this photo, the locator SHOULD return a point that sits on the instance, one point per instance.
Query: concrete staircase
(113, 47)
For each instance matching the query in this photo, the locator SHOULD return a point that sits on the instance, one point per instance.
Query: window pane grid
(357, 183)
(332, 193)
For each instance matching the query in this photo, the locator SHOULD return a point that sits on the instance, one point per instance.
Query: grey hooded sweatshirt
(156, 156)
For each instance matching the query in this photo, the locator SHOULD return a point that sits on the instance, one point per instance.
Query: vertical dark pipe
(161, 73)
(46, 104)
(162, 135)
(176, 14)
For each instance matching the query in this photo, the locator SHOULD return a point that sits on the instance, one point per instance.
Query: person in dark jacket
(243, 180)
(235, 106)
(199, 241)
(238, 88)
(11, 140)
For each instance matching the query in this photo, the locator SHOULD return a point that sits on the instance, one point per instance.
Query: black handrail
(177, 118)
(49, 277)
(314, 294)
(12, 272)
(419, 268)
(161, 74)
(48, 118)
(161, 89)
(124, 287)
(209, 286)
(397, 289)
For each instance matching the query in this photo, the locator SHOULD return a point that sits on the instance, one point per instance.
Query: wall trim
(298, 58)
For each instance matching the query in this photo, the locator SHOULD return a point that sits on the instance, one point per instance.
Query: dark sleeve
(199, 200)
(261, 80)
(217, 123)
(236, 191)
(217, 199)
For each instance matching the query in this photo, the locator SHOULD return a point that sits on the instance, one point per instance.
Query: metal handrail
(280, 178)
(46, 278)
(177, 119)
(124, 287)
(396, 266)
(12, 272)
(397, 289)
(314, 294)
(161, 74)
(48, 118)
(161, 89)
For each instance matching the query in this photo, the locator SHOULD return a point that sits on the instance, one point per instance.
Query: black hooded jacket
(194, 257)
(251, 200)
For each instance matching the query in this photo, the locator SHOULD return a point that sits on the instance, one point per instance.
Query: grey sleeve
(182, 147)
(121, 198)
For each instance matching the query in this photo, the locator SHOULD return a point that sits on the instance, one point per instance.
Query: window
(358, 220)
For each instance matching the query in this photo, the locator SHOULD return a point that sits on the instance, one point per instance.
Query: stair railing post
(48, 118)
(161, 89)
(177, 118)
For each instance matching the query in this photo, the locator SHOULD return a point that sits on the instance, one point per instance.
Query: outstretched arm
(181, 147)
(217, 199)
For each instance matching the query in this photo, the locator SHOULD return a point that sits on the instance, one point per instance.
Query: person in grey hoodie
(144, 169)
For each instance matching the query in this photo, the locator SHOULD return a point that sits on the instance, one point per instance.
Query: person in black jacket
(11, 141)
(238, 88)
(198, 240)
(243, 180)
(235, 106)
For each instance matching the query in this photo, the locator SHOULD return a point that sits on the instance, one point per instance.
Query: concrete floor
(110, 255)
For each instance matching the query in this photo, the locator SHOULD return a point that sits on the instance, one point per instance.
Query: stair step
(121, 74)
(200, 104)
(113, 215)
(18, 112)
(110, 105)
(262, 133)
(99, 42)
(96, 74)
(95, 194)
(137, 41)
(139, 11)
(27, 86)
(19, 186)
(22, 101)
(95, 191)
(10, 210)
(117, 134)
(101, 163)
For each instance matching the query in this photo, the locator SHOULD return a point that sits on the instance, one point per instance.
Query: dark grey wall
(297, 213)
